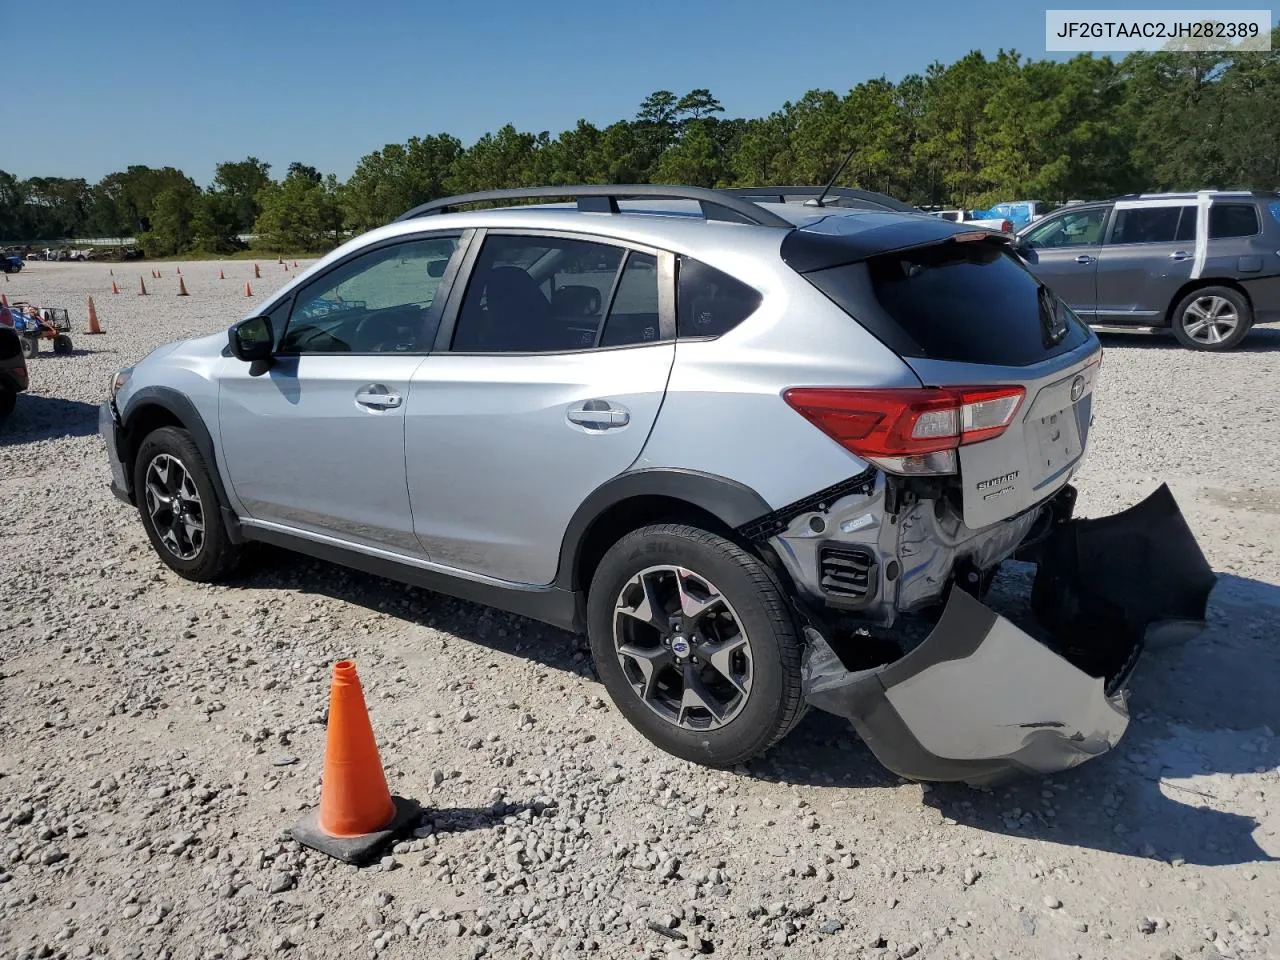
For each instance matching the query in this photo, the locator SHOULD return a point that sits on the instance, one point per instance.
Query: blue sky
(324, 82)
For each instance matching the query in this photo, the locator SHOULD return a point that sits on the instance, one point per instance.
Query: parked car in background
(728, 439)
(1205, 265)
(975, 218)
(11, 263)
(1019, 212)
(13, 364)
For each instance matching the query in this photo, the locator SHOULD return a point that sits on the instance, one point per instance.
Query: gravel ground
(159, 737)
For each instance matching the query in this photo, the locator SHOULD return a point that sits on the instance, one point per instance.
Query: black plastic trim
(771, 524)
(715, 204)
(831, 197)
(182, 408)
(729, 501)
(807, 249)
(551, 604)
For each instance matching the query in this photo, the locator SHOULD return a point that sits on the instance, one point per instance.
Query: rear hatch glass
(964, 301)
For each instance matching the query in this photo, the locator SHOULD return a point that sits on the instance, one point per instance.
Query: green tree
(299, 214)
(397, 178)
(170, 221)
(240, 182)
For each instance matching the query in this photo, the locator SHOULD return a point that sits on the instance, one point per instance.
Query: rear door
(550, 368)
(1148, 254)
(1062, 250)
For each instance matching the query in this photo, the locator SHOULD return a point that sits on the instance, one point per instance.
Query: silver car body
(476, 473)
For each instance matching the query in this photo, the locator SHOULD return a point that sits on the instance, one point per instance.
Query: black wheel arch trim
(731, 502)
(181, 407)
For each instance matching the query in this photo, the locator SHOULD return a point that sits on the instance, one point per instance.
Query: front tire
(62, 344)
(1212, 318)
(696, 643)
(30, 347)
(180, 508)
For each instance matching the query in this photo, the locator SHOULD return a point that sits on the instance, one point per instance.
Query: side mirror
(435, 268)
(252, 340)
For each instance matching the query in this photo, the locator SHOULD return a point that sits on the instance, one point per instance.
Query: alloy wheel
(682, 648)
(174, 505)
(1210, 320)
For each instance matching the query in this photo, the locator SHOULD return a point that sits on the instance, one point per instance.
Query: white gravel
(159, 738)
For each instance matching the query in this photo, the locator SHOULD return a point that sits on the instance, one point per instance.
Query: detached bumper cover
(981, 700)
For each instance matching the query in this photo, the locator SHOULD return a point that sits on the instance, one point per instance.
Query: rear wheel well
(1191, 285)
(632, 514)
(146, 420)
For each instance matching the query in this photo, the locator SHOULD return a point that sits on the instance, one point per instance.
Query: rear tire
(180, 508)
(679, 569)
(62, 344)
(30, 347)
(1212, 318)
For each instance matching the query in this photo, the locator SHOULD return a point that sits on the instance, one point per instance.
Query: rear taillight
(1006, 226)
(908, 430)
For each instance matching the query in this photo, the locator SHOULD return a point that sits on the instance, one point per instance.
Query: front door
(316, 443)
(1062, 251)
(1148, 256)
(555, 369)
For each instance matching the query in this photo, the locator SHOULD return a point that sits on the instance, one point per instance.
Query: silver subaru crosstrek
(766, 454)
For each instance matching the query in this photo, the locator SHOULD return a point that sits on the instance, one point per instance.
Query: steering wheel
(394, 330)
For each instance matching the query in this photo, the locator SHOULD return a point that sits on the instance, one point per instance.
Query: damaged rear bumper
(981, 700)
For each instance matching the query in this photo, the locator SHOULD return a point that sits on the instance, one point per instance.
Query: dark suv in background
(1206, 264)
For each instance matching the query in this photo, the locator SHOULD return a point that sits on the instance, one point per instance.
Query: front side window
(378, 302)
(1077, 229)
(1228, 220)
(550, 295)
(1154, 225)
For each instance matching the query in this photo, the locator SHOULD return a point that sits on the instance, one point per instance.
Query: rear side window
(1228, 220)
(1154, 225)
(709, 302)
(969, 302)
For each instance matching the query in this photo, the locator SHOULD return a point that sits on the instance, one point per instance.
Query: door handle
(1179, 256)
(379, 400)
(1085, 258)
(598, 413)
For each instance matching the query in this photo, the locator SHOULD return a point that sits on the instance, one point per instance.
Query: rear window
(1228, 220)
(971, 302)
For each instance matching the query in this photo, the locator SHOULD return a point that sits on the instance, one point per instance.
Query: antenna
(839, 170)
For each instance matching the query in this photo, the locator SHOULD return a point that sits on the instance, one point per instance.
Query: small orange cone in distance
(4, 301)
(257, 274)
(357, 815)
(93, 319)
(182, 287)
(179, 271)
(114, 287)
(248, 290)
(221, 275)
(295, 263)
(142, 287)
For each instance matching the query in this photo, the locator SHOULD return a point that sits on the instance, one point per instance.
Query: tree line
(969, 134)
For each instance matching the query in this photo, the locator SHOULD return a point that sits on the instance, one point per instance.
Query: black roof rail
(772, 194)
(603, 198)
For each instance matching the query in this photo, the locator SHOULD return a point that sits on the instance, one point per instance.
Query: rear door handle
(1179, 255)
(378, 397)
(1085, 258)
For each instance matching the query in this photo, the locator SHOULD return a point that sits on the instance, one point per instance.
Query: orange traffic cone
(114, 287)
(279, 260)
(4, 301)
(111, 270)
(357, 815)
(248, 290)
(182, 287)
(257, 274)
(179, 271)
(295, 263)
(142, 287)
(221, 275)
(93, 319)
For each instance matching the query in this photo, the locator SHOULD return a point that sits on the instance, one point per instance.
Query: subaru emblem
(1077, 389)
